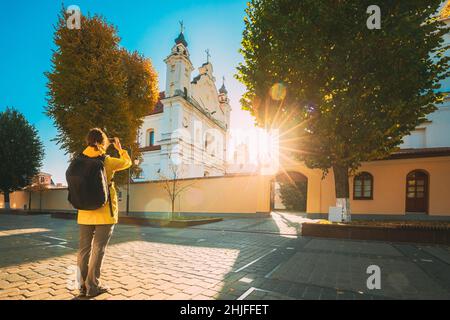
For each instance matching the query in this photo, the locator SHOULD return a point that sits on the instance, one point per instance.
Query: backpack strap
(102, 158)
(110, 201)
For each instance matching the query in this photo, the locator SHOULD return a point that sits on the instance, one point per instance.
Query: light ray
(297, 150)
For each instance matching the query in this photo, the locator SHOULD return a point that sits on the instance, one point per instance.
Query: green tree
(293, 195)
(95, 83)
(21, 152)
(352, 93)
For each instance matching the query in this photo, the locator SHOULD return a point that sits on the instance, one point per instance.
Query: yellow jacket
(103, 214)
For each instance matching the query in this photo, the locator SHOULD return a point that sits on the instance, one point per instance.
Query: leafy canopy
(293, 195)
(352, 93)
(21, 151)
(94, 82)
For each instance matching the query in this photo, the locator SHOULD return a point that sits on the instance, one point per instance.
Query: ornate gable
(204, 90)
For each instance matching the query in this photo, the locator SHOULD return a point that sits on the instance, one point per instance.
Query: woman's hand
(117, 144)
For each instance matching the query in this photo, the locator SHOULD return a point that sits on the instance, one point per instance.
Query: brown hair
(96, 137)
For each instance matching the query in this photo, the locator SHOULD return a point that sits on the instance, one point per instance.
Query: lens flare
(278, 91)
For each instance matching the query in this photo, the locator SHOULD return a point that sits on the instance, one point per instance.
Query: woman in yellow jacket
(96, 226)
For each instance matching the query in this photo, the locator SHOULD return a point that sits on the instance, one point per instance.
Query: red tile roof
(419, 153)
(150, 148)
(159, 108)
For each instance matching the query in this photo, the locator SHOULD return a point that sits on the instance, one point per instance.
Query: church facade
(185, 135)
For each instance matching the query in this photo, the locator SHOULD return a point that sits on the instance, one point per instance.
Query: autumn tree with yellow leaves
(93, 82)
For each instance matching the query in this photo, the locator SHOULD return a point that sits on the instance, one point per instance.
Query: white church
(186, 133)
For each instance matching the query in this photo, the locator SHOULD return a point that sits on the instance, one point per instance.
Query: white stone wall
(432, 134)
(435, 132)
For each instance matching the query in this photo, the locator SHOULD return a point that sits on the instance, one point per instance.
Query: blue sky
(147, 26)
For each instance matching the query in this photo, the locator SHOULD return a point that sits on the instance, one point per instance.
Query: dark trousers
(93, 242)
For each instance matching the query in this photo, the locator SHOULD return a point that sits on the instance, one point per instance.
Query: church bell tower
(179, 68)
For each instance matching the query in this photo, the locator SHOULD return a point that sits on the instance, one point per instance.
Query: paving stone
(63, 296)
(400, 278)
(15, 297)
(160, 296)
(42, 296)
(180, 296)
(8, 291)
(4, 284)
(30, 294)
(140, 296)
(133, 292)
(118, 291)
(15, 277)
(158, 263)
(192, 290)
(201, 297)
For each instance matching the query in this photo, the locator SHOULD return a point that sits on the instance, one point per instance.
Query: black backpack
(87, 182)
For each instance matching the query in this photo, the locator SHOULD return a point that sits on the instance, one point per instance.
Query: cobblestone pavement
(234, 259)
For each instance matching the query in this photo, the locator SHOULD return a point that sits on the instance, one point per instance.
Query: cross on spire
(180, 38)
(181, 26)
(208, 55)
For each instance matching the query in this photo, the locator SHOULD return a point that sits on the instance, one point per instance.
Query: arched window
(363, 186)
(150, 137)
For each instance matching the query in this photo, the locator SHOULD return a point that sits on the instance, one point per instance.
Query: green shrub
(293, 196)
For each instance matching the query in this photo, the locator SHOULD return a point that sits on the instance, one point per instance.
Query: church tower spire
(179, 67)
(225, 102)
(222, 89)
(180, 38)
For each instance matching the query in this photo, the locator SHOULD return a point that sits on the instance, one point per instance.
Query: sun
(273, 147)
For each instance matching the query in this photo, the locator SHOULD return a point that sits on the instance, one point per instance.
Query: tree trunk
(342, 189)
(6, 198)
(29, 200)
(174, 195)
(173, 208)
